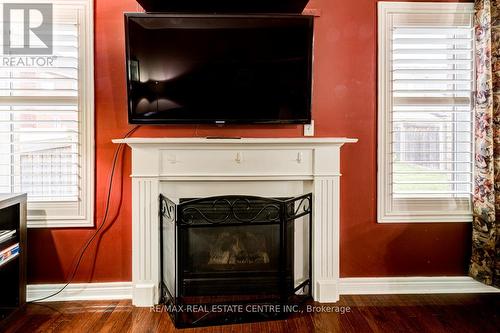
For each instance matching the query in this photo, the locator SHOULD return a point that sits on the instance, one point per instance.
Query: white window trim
(384, 211)
(85, 217)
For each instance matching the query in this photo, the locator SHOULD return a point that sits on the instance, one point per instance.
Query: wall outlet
(309, 129)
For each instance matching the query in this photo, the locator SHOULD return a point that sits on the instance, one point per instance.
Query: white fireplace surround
(197, 167)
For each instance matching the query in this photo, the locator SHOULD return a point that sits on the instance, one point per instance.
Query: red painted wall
(344, 104)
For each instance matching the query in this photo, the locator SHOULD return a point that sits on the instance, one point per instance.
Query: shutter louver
(39, 119)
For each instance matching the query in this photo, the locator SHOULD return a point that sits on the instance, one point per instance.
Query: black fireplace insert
(234, 258)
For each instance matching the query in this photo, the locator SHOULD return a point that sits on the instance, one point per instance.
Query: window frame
(424, 209)
(80, 214)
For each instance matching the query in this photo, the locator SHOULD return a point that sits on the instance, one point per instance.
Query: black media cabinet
(12, 255)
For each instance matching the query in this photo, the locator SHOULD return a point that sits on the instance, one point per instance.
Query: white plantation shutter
(45, 122)
(425, 148)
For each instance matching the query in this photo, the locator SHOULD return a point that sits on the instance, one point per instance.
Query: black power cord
(103, 223)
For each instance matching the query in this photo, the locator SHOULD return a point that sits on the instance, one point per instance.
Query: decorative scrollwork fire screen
(229, 209)
(235, 246)
(235, 209)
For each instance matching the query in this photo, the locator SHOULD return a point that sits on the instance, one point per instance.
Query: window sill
(61, 214)
(37, 223)
(462, 218)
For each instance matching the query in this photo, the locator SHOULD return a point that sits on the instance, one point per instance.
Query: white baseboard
(413, 285)
(81, 291)
(347, 286)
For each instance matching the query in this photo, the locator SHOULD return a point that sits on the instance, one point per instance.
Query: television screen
(219, 68)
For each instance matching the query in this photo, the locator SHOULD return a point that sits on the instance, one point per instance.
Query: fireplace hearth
(234, 258)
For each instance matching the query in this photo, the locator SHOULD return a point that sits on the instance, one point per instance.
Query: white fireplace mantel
(253, 166)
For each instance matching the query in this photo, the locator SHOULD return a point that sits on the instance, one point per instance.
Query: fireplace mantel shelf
(308, 141)
(201, 167)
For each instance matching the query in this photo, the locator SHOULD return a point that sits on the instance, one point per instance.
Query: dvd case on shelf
(8, 254)
(6, 234)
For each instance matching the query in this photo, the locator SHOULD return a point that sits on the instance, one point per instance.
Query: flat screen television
(219, 69)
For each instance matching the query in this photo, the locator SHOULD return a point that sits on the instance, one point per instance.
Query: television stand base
(223, 137)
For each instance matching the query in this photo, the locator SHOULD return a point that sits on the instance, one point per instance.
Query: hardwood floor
(375, 313)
